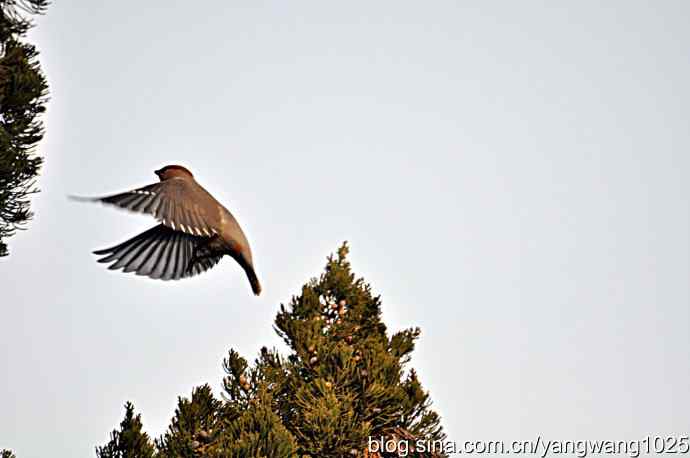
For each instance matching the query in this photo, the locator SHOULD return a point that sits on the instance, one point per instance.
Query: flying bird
(196, 231)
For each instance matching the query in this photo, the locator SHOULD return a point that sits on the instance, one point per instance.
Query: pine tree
(208, 427)
(129, 441)
(23, 92)
(342, 385)
(344, 380)
(194, 424)
(254, 428)
(7, 454)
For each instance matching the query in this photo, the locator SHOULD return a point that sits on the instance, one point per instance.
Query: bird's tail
(253, 280)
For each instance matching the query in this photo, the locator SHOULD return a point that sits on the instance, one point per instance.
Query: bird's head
(170, 171)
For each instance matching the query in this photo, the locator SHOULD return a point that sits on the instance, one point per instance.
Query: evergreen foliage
(23, 95)
(343, 381)
(7, 454)
(129, 441)
(194, 422)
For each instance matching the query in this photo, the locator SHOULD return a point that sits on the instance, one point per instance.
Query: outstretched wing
(161, 253)
(173, 202)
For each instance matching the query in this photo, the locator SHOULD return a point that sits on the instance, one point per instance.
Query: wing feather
(161, 253)
(174, 202)
(127, 254)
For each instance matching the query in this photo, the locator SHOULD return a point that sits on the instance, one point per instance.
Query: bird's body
(196, 231)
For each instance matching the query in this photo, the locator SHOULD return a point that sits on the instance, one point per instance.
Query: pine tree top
(129, 441)
(344, 379)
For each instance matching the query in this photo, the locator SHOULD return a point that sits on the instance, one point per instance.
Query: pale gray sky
(512, 178)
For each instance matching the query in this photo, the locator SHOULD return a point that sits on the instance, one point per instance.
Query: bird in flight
(194, 233)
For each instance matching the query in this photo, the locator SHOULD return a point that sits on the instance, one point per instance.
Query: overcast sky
(512, 178)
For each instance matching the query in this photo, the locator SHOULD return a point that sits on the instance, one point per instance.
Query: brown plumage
(194, 234)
